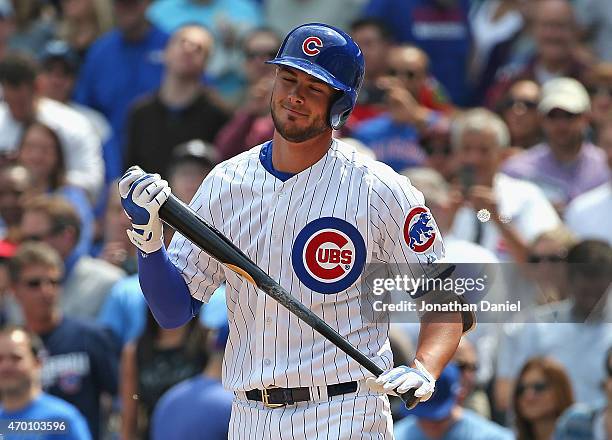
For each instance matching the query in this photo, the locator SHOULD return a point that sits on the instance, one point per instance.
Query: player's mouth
(293, 112)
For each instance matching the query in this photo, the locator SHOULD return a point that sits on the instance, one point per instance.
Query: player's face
(300, 105)
(17, 363)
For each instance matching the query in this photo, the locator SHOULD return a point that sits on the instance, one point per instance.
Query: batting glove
(401, 379)
(142, 195)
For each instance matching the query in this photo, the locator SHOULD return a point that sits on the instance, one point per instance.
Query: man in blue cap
(441, 417)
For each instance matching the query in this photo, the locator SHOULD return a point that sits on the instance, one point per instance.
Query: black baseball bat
(186, 221)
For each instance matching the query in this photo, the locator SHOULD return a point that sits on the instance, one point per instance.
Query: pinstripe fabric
(262, 215)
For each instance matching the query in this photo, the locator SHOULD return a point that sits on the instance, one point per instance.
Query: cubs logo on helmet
(419, 231)
(310, 45)
(328, 255)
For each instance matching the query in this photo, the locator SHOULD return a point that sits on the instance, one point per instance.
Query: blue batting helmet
(328, 54)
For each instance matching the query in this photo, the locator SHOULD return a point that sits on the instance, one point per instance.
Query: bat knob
(409, 400)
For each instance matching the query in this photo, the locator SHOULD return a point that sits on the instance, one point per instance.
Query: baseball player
(311, 212)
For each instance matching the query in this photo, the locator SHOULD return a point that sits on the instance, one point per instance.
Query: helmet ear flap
(340, 111)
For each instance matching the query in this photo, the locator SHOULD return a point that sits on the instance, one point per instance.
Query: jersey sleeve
(201, 272)
(406, 232)
(410, 243)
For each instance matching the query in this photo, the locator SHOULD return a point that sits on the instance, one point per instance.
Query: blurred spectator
(575, 332)
(7, 302)
(227, 20)
(22, 104)
(159, 359)
(80, 363)
(190, 163)
(181, 110)
(411, 103)
(116, 247)
(15, 188)
(57, 78)
(590, 421)
(599, 87)
(496, 211)
(86, 280)
(410, 65)
(496, 27)
(589, 214)
(542, 392)
(555, 34)
(284, 15)
(374, 40)
(470, 396)
(547, 254)
(84, 21)
(7, 25)
(33, 27)
(595, 18)
(438, 150)
(201, 403)
(440, 28)
(22, 397)
(442, 417)
(566, 164)
(41, 153)
(252, 124)
(120, 66)
(519, 111)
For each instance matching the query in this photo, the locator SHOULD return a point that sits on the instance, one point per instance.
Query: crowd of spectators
(499, 111)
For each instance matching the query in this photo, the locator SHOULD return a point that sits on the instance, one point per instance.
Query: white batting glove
(400, 379)
(142, 195)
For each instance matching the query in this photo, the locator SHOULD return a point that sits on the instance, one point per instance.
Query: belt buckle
(265, 398)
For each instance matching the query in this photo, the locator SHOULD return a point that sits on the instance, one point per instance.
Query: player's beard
(293, 133)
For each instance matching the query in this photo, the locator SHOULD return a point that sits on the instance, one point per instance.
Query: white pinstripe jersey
(312, 234)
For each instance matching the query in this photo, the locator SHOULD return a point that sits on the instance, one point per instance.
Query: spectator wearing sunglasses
(252, 124)
(592, 421)
(566, 164)
(414, 104)
(519, 112)
(574, 332)
(589, 213)
(86, 281)
(81, 360)
(546, 268)
(541, 394)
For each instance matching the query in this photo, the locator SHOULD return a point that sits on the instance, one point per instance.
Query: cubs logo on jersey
(310, 46)
(328, 255)
(419, 231)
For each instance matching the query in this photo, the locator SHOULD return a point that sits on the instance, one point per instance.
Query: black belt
(276, 397)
